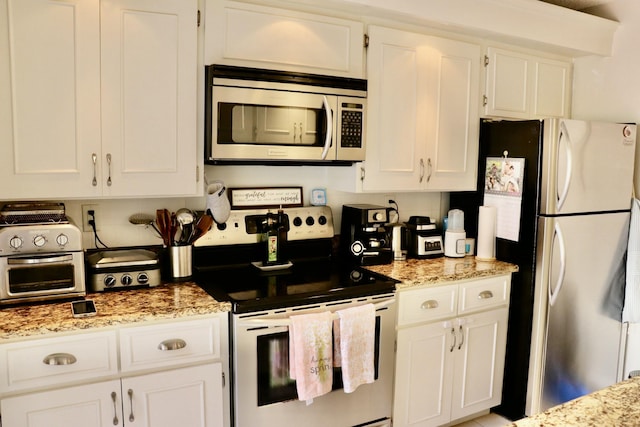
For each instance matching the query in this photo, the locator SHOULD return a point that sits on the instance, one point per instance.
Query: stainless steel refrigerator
(565, 330)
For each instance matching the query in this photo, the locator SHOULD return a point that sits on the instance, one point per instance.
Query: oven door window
(253, 124)
(274, 383)
(41, 278)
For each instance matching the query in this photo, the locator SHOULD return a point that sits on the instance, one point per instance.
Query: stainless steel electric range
(227, 266)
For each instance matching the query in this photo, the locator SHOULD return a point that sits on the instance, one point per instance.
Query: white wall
(608, 88)
(115, 230)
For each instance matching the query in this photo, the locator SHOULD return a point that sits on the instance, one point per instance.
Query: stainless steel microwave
(266, 116)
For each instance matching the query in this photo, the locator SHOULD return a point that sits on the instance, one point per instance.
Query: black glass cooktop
(250, 288)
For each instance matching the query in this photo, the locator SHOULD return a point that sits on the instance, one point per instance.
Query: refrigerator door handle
(562, 197)
(554, 291)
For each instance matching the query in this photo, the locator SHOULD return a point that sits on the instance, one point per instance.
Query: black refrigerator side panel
(519, 139)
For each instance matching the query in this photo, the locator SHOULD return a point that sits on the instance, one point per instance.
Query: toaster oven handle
(43, 260)
(327, 139)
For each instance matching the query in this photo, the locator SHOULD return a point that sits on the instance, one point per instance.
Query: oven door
(266, 396)
(263, 124)
(43, 276)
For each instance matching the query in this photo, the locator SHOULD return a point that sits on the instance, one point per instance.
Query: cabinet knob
(172, 344)
(59, 359)
(427, 305)
(485, 295)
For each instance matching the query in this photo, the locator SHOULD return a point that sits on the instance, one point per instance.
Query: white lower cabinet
(177, 378)
(181, 397)
(450, 360)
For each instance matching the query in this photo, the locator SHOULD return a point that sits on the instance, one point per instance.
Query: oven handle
(286, 322)
(50, 259)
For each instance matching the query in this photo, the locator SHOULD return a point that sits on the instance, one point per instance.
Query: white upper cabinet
(98, 98)
(422, 131)
(149, 84)
(523, 86)
(49, 97)
(264, 37)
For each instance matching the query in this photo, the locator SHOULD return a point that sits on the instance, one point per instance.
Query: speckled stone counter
(167, 301)
(437, 271)
(617, 405)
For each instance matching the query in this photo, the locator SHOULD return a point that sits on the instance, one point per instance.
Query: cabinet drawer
(427, 304)
(484, 293)
(59, 360)
(166, 344)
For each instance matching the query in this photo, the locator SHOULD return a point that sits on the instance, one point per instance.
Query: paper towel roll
(486, 233)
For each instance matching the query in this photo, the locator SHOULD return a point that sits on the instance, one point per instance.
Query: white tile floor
(489, 420)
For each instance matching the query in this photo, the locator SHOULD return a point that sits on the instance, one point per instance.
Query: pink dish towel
(357, 342)
(311, 354)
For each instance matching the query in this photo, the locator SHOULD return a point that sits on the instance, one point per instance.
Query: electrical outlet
(86, 217)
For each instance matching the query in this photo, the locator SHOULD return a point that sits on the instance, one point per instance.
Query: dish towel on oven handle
(354, 335)
(311, 354)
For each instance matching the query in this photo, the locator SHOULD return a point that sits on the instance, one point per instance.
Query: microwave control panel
(352, 124)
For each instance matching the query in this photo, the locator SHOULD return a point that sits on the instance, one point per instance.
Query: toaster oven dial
(62, 239)
(126, 279)
(39, 240)
(15, 242)
(109, 281)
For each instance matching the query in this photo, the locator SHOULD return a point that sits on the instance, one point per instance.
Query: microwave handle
(327, 140)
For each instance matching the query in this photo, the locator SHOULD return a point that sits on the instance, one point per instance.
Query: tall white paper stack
(486, 233)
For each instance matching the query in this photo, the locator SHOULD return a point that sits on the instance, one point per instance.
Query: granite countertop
(177, 300)
(438, 271)
(168, 301)
(616, 405)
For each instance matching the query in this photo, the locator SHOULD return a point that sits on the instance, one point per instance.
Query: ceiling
(577, 4)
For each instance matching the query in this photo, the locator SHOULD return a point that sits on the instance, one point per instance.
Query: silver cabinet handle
(300, 133)
(430, 168)
(295, 132)
(453, 333)
(131, 417)
(94, 158)
(109, 165)
(59, 359)
(421, 170)
(115, 409)
(172, 344)
(428, 305)
(461, 337)
(485, 295)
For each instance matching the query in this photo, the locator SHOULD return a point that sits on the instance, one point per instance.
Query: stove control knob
(15, 242)
(297, 221)
(109, 281)
(310, 221)
(143, 278)
(126, 279)
(39, 240)
(62, 239)
(322, 220)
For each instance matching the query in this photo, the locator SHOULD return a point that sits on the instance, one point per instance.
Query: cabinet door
(49, 98)
(251, 35)
(94, 405)
(479, 362)
(398, 110)
(551, 88)
(149, 81)
(507, 82)
(424, 368)
(189, 397)
(452, 148)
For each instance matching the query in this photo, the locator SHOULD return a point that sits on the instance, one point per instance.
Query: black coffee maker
(363, 237)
